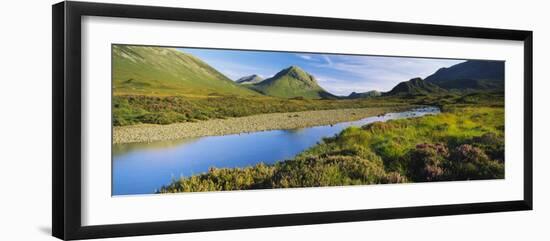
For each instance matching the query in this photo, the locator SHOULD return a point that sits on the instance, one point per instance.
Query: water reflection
(125, 148)
(141, 168)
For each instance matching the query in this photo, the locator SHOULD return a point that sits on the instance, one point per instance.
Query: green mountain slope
(416, 86)
(251, 79)
(159, 71)
(292, 82)
(472, 74)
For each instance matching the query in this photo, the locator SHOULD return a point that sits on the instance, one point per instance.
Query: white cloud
(378, 73)
(343, 87)
(235, 70)
(327, 59)
(306, 57)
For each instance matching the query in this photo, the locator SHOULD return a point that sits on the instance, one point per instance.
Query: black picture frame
(67, 136)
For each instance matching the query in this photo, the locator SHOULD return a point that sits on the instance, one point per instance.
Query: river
(142, 168)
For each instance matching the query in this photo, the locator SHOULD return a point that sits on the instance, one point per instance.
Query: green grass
(465, 142)
(287, 87)
(159, 71)
(334, 170)
(291, 82)
(156, 85)
(130, 110)
(392, 141)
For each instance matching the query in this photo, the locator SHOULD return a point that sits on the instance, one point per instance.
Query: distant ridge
(471, 74)
(251, 79)
(368, 94)
(416, 86)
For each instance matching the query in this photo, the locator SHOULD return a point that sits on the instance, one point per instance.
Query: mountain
(251, 79)
(472, 74)
(416, 86)
(372, 93)
(159, 71)
(292, 82)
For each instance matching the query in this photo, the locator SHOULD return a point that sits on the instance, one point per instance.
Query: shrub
(315, 171)
(306, 171)
(468, 163)
(424, 162)
(492, 144)
(218, 179)
(463, 143)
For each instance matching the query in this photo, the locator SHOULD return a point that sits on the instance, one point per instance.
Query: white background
(25, 121)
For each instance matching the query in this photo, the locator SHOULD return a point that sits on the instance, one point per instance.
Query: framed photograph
(169, 120)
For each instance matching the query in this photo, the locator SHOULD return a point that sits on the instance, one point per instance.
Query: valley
(173, 110)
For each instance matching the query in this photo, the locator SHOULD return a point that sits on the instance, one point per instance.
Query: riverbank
(262, 122)
(463, 143)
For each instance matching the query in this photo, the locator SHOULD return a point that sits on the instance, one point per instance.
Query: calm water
(144, 167)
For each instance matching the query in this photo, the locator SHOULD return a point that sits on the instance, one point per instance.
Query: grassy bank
(465, 142)
(132, 109)
(261, 122)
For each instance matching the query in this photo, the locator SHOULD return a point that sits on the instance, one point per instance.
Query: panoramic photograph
(202, 119)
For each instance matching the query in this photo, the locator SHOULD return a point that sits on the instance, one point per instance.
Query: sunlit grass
(130, 110)
(465, 142)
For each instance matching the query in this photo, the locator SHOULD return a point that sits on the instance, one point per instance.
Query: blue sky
(338, 74)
